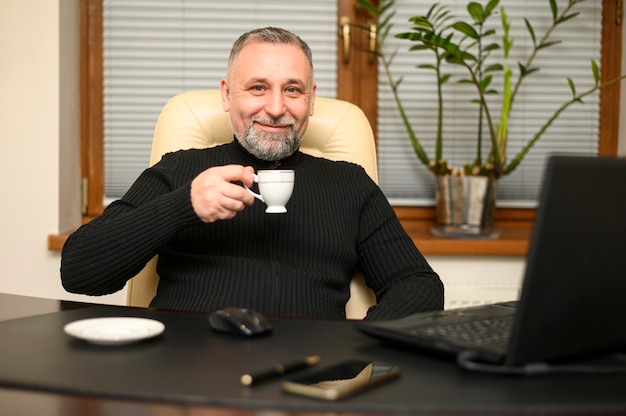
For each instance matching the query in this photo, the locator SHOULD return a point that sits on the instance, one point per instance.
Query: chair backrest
(338, 130)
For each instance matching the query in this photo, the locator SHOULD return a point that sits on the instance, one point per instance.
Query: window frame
(417, 220)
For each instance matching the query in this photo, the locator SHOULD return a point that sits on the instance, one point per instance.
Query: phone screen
(341, 380)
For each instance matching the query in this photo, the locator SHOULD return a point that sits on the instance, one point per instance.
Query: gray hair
(269, 35)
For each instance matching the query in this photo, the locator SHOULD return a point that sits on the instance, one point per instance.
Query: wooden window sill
(514, 226)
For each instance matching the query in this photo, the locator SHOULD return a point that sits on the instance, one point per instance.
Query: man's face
(269, 92)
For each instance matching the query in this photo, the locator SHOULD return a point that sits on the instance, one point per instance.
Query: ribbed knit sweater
(297, 264)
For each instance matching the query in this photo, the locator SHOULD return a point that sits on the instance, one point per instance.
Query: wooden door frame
(357, 72)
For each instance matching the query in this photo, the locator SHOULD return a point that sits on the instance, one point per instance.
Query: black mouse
(239, 321)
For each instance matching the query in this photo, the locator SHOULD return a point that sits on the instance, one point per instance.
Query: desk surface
(192, 370)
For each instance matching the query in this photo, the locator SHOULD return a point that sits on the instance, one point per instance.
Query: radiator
(460, 296)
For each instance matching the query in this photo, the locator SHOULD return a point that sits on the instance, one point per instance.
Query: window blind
(407, 182)
(154, 49)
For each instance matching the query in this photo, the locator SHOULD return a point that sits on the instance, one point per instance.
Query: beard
(271, 147)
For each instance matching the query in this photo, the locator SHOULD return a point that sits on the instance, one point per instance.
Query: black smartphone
(341, 380)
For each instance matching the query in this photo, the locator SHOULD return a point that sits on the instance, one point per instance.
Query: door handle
(345, 36)
(372, 37)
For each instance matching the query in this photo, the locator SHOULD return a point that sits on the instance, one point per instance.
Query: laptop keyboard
(474, 333)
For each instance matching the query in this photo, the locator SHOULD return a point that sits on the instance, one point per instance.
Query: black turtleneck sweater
(297, 264)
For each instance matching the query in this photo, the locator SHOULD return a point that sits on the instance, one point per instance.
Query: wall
(39, 127)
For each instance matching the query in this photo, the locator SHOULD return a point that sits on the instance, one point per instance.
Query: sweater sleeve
(103, 254)
(402, 279)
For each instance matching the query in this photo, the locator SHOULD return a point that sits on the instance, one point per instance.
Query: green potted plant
(466, 194)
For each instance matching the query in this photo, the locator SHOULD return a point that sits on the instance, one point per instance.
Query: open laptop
(572, 302)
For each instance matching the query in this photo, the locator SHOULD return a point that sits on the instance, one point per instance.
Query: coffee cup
(275, 188)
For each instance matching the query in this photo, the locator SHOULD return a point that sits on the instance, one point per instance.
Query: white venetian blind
(402, 176)
(154, 49)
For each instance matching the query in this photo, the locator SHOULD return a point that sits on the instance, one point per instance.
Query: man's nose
(275, 105)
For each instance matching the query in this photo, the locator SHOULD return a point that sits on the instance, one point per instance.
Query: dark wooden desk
(190, 370)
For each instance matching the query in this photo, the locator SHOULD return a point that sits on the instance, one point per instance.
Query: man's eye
(258, 88)
(292, 90)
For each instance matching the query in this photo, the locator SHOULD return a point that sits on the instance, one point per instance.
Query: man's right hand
(216, 193)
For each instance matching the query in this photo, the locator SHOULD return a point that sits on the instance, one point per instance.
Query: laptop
(572, 301)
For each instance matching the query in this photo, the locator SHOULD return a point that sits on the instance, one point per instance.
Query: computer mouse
(239, 321)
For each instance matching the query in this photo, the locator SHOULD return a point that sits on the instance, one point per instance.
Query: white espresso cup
(275, 188)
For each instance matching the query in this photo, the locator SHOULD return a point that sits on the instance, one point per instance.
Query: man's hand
(215, 196)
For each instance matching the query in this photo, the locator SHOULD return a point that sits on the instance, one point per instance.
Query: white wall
(39, 129)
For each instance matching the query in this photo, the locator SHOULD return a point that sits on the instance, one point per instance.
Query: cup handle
(254, 194)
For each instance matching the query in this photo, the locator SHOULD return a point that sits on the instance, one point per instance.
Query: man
(218, 248)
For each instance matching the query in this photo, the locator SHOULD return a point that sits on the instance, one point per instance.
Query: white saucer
(119, 330)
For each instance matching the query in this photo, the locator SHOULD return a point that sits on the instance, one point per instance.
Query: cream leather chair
(338, 130)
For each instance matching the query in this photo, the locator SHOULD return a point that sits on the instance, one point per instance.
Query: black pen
(279, 370)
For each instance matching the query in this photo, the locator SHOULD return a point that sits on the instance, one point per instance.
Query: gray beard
(271, 147)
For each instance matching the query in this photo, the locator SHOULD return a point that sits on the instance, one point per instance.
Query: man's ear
(225, 93)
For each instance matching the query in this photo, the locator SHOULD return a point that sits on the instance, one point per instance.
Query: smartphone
(341, 380)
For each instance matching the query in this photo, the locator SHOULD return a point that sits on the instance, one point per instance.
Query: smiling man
(269, 91)
(218, 248)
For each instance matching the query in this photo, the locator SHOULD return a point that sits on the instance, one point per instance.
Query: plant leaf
(531, 70)
(596, 71)
(555, 10)
(420, 21)
(384, 7)
(476, 11)
(490, 6)
(385, 23)
(392, 55)
(491, 47)
(531, 31)
(466, 29)
(568, 17)
(548, 44)
(368, 6)
(572, 87)
(485, 82)
(523, 71)
(494, 67)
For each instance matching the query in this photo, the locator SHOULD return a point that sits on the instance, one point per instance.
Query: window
(406, 181)
(93, 149)
(153, 50)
